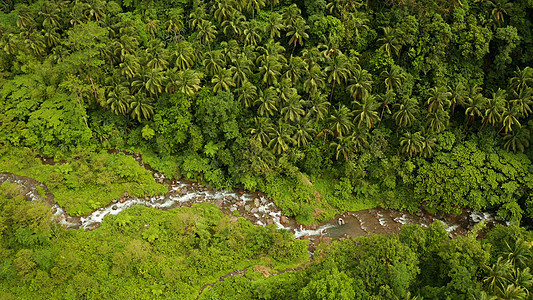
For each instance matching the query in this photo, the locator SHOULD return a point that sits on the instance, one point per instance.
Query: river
(257, 208)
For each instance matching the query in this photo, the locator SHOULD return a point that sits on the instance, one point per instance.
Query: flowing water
(257, 208)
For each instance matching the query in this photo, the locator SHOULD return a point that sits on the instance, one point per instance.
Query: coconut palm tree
(393, 78)
(293, 110)
(498, 275)
(281, 138)
(222, 80)
(297, 33)
(275, 25)
(522, 79)
(494, 108)
(296, 69)
(315, 80)
(365, 113)
(267, 102)
(457, 95)
(303, 132)
(184, 55)
(361, 83)
(319, 107)
(390, 44)
(340, 121)
(517, 140)
(438, 99)
(437, 121)
(338, 71)
(475, 106)
(141, 107)
(406, 111)
(119, 99)
(411, 143)
(262, 130)
(270, 69)
(189, 82)
(247, 94)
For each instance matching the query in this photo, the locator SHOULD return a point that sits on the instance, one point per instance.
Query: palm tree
(25, 17)
(365, 112)
(247, 94)
(214, 62)
(296, 68)
(338, 71)
(389, 42)
(343, 146)
(457, 95)
(475, 106)
(362, 83)
(267, 102)
(275, 25)
(517, 140)
(188, 82)
(303, 133)
(184, 55)
(319, 107)
(262, 130)
(513, 292)
(297, 33)
(411, 144)
(405, 115)
(141, 107)
(234, 26)
(50, 14)
(197, 17)
(509, 117)
(293, 111)
(130, 67)
(359, 138)
(428, 144)
(494, 108)
(149, 81)
(291, 14)
(498, 275)
(438, 99)
(281, 138)
(437, 121)
(357, 22)
(206, 32)
(254, 5)
(119, 99)
(252, 33)
(222, 80)
(340, 121)
(315, 80)
(224, 10)
(519, 251)
(270, 69)
(393, 78)
(157, 55)
(385, 100)
(522, 79)
(241, 70)
(500, 8)
(523, 101)
(152, 27)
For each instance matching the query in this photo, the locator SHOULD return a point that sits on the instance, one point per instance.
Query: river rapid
(257, 208)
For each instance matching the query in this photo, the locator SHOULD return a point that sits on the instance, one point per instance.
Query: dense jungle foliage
(325, 105)
(145, 253)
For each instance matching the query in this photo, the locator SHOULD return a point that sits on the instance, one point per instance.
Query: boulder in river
(247, 208)
(284, 220)
(239, 203)
(256, 202)
(114, 207)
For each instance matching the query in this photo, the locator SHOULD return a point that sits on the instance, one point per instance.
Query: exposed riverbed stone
(256, 202)
(284, 220)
